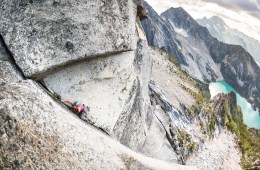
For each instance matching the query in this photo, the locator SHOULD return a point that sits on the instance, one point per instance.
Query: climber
(76, 107)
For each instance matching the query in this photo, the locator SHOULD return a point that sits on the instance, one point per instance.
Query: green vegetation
(173, 60)
(206, 94)
(227, 108)
(231, 126)
(169, 56)
(208, 109)
(193, 111)
(212, 125)
(192, 146)
(201, 86)
(185, 76)
(185, 140)
(55, 96)
(158, 49)
(248, 139)
(204, 88)
(183, 134)
(248, 142)
(199, 98)
(202, 127)
(226, 113)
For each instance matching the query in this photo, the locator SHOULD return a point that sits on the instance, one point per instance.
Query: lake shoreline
(251, 117)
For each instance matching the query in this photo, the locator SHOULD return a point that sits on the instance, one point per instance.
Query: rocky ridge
(203, 120)
(202, 55)
(219, 29)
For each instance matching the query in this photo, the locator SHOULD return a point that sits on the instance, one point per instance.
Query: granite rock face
(45, 35)
(8, 71)
(41, 37)
(95, 53)
(116, 89)
(36, 132)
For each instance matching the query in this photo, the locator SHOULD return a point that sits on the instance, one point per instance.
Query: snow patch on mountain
(179, 30)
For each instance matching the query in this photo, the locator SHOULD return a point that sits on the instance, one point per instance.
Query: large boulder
(45, 35)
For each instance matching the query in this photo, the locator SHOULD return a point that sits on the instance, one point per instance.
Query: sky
(243, 15)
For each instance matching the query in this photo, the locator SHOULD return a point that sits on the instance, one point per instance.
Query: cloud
(242, 14)
(252, 7)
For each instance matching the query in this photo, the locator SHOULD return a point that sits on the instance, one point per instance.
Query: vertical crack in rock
(9, 57)
(129, 128)
(172, 122)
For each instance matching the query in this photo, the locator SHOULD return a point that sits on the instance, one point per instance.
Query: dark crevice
(54, 97)
(73, 62)
(11, 57)
(40, 76)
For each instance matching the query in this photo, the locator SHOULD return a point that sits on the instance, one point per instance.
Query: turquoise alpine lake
(251, 118)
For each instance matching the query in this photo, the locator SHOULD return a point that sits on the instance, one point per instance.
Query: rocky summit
(142, 109)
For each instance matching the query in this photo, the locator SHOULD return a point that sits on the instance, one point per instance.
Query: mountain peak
(216, 20)
(178, 10)
(177, 16)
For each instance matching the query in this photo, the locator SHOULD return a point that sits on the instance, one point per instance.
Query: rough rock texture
(36, 132)
(159, 33)
(8, 71)
(219, 153)
(103, 84)
(203, 56)
(45, 35)
(221, 105)
(222, 151)
(213, 145)
(116, 89)
(193, 56)
(169, 78)
(156, 144)
(168, 110)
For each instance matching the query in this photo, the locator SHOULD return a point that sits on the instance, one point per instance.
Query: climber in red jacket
(76, 107)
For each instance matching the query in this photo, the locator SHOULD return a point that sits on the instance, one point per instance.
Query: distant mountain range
(219, 29)
(202, 55)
